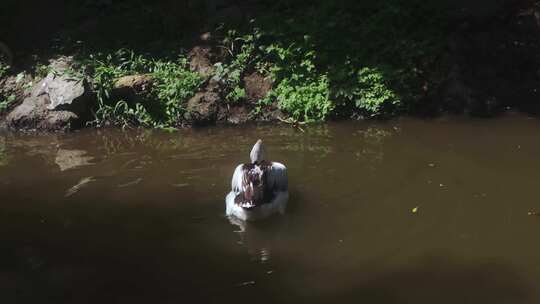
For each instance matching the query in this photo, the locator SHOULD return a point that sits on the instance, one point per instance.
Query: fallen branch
(292, 122)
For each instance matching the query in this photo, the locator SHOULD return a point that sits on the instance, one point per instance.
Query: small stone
(132, 87)
(206, 36)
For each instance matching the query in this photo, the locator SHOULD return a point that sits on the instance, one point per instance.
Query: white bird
(259, 189)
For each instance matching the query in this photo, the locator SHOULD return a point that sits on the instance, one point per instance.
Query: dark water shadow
(111, 255)
(113, 266)
(435, 278)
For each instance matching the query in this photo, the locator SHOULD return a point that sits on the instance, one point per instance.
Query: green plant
(236, 94)
(372, 94)
(19, 78)
(175, 84)
(102, 75)
(367, 93)
(121, 114)
(5, 103)
(4, 68)
(162, 106)
(325, 58)
(304, 99)
(307, 68)
(41, 70)
(243, 55)
(396, 42)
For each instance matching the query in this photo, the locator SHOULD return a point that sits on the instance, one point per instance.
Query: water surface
(405, 211)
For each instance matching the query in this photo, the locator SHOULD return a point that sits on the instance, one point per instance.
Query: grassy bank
(325, 59)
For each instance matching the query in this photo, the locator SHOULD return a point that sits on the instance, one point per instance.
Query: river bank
(167, 65)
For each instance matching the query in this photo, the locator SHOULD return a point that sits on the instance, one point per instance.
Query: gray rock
(66, 92)
(60, 121)
(33, 114)
(58, 102)
(202, 109)
(61, 64)
(257, 86)
(233, 115)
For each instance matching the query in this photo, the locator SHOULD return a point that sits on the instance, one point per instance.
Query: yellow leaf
(415, 209)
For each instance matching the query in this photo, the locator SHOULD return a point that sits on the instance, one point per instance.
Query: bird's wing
(277, 177)
(237, 183)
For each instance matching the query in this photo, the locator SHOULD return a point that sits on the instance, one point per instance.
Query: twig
(292, 122)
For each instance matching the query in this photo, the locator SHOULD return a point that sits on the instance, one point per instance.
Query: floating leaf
(415, 210)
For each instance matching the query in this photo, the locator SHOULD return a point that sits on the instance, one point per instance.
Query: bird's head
(257, 152)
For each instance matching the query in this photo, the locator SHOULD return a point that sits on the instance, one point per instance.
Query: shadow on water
(125, 262)
(433, 279)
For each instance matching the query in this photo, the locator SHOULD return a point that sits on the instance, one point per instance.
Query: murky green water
(137, 217)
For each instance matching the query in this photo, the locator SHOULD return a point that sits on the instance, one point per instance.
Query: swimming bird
(259, 189)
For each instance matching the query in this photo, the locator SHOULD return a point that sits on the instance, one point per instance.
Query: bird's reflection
(260, 238)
